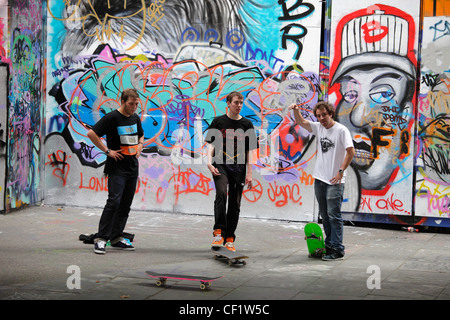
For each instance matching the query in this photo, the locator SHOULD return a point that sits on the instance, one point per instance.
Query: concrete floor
(41, 258)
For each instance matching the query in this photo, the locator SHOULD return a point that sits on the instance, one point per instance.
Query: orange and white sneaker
(218, 239)
(229, 244)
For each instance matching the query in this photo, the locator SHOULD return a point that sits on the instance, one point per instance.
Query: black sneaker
(122, 245)
(99, 247)
(333, 256)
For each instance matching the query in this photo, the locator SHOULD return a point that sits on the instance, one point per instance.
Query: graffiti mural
(3, 29)
(183, 69)
(184, 57)
(372, 81)
(23, 185)
(3, 130)
(433, 163)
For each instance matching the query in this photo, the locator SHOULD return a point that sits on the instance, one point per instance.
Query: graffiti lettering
(430, 80)
(282, 194)
(155, 13)
(437, 197)
(437, 158)
(306, 178)
(441, 29)
(378, 141)
(390, 204)
(94, 184)
(188, 181)
(63, 71)
(59, 159)
(365, 204)
(290, 14)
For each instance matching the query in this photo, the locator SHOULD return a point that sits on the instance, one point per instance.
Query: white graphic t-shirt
(331, 149)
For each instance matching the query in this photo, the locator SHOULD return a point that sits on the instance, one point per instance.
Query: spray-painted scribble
(433, 163)
(25, 110)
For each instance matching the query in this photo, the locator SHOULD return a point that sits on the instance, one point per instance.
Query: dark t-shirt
(231, 139)
(121, 133)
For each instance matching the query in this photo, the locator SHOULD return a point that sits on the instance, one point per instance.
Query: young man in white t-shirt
(334, 153)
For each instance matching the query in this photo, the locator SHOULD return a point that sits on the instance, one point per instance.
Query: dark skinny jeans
(121, 192)
(229, 186)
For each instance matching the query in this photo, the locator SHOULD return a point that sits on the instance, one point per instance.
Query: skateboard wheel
(161, 282)
(244, 263)
(202, 286)
(230, 263)
(216, 257)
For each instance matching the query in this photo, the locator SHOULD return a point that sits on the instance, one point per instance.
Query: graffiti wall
(372, 84)
(26, 80)
(184, 57)
(3, 130)
(3, 29)
(433, 150)
(3, 99)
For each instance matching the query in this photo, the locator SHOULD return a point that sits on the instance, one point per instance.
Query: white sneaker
(99, 247)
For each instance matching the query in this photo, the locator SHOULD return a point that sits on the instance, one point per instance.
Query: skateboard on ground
(314, 240)
(205, 282)
(230, 256)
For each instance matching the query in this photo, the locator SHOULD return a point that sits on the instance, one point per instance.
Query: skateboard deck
(230, 256)
(205, 282)
(314, 240)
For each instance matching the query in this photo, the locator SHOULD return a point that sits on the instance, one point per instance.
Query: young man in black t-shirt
(230, 138)
(124, 138)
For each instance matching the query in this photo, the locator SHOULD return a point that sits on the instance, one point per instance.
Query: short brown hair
(233, 94)
(324, 105)
(129, 93)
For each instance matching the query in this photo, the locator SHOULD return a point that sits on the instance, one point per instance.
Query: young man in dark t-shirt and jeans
(230, 138)
(125, 138)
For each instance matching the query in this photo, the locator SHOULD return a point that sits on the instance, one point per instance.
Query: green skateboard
(314, 240)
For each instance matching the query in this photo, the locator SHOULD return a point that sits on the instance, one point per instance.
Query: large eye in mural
(382, 94)
(351, 96)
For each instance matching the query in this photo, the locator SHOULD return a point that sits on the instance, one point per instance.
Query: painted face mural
(373, 77)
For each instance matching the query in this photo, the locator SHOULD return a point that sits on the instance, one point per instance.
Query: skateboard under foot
(231, 257)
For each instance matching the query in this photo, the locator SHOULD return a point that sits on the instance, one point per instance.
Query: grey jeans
(329, 198)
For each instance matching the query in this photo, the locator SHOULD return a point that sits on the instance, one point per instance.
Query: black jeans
(121, 192)
(229, 186)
